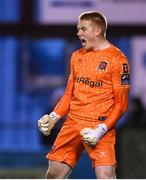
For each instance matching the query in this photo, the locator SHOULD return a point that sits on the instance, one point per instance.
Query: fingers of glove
(43, 126)
(44, 119)
(90, 140)
(88, 137)
(51, 123)
(46, 131)
(90, 143)
(84, 131)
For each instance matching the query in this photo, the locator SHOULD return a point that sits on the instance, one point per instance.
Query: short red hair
(97, 18)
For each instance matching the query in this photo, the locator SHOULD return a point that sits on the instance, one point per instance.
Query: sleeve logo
(125, 77)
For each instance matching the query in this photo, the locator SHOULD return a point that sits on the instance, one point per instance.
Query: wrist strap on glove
(54, 116)
(101, 129)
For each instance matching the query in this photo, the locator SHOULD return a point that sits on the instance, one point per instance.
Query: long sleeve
(120, 106)
(63, 105)
(121, 87)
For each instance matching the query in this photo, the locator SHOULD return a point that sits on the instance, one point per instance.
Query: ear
(98, 31)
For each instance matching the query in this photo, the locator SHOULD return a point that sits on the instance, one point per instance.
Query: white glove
(92, 136)
(47, 122)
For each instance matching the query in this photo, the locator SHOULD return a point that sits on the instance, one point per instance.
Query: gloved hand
(47, 122)
(91, 136)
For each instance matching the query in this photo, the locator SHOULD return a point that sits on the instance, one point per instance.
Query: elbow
(124, 108)
(121, 107)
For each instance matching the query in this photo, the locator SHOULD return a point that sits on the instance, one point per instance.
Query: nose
(79, 33)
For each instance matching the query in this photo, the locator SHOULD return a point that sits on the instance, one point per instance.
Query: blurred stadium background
(37, 38)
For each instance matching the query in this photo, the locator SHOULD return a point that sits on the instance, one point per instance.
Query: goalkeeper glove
(47, 122)
(91, 136)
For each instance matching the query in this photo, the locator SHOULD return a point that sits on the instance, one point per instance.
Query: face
(88, 32)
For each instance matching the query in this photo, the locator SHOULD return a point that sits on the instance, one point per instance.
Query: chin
(88, 48)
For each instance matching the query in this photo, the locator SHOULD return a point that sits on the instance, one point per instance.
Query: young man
(95, 98)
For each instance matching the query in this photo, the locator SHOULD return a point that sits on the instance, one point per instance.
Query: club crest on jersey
(102, 66)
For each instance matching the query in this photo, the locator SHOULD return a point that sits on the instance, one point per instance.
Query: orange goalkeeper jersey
(98, 87)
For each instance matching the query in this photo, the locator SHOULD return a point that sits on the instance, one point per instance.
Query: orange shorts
(69, 146)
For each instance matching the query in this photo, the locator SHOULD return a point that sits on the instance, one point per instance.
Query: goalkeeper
(95, 98)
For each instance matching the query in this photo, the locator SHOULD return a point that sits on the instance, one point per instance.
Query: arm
(120, 106)
(120, 80)
(63, 105)
(121, 85)
(47, 122)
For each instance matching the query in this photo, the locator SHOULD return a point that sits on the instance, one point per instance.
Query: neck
(101, 44)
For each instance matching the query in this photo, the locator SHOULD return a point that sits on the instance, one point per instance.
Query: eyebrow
(83, 27)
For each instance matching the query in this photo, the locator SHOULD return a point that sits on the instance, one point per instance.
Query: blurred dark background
(37, 38)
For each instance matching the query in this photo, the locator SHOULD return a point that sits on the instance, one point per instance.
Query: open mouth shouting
(83, 41)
